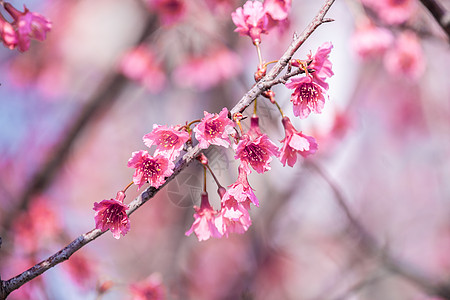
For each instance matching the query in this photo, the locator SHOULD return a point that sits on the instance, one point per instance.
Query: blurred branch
(371, 247)
(440, 14)
(101, 100)
(14, 283)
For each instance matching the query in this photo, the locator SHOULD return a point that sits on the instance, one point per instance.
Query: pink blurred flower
(111, 214)
(149, 289)
(214, 130)
(256, 149)
(392, 11)
(251, 20)
(7, 34)
(278, 10)
(204, 225)
(369, 40)
(169, 11)
(210, 69)
(321, 65)
(406, 57)
(308, 96)
(28, 25)
(295, 143)
(140, 64)
(150, 169)
(168, 140)
(241, 189)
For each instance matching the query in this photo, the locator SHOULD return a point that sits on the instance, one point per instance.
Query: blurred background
(74, 107)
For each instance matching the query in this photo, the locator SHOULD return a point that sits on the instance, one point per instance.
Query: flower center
(167, 139)
(150, 169)
(254, 153)
(113, 213)
(213, 128)
(308, 92)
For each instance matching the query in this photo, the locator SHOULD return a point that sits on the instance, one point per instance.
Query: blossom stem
(270, 62)
(279, 108)
(255, 105)
(193, 122)
(204, 178)
(258, 49)
(127, 187)
(214, 176)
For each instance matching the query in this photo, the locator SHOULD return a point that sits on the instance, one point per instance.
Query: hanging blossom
(392, 11)
(169, 11)
(241, 189)
(168, 140)
(369, 40)
(309, 91)
(204, 225)
(28, 25)
(111, 214)
(151, 288)
(150, 169)
(278, 10)
(251, 20)
(234, 215)
(7, 34)
(295, 143)
(256, 149)
(214, 130)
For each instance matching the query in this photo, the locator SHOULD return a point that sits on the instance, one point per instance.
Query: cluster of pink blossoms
(26, 25)
(253, 148)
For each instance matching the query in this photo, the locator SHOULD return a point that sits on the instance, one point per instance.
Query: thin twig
(440, 14)
(14, 283)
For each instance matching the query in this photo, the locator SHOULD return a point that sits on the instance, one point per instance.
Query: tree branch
(14, 283)
(440, 14)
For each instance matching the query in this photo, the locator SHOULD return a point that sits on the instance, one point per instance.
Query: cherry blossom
(214, 130)
(295, 143)
(150, 288)
(256, 149)
(251, 20)
(7, 34)
(308, 96)
(169, 11)
(369, 40)
(278, 10)
(168, 140)
(205, 217)
(241, 189)
(321, 65)
(28, 25)
(150, 169)
(233, 219)
(111, 214)
(392, 11)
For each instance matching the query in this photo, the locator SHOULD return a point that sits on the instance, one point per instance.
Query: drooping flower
(251, 20)
(7, 34)
(150, 169)
(214, 129)
(392, 11)
(256, 149)
(28, 25)
(150, 288)
(406, 57)
(169, 11)
(168, 140)
(141, 65)
(321, 65)
(205, 217)
(295, 143)
(278, 10)
(111, 214)
(241, 189)
(307, 97)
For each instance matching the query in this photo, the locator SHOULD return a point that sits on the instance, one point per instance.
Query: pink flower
(169, 11)
(214, 130)
(149, 289)
(28, 25)
(308, 96)
(321, 65)
(392, 11)
(295, 143)
(111, 214)
(369, 40)
(241, 189)
(7, 34)
(169, 141)
(256, 149)
(406, 58)
(251, 20)
(209, 69)
(150, 169)
(204, 225)
(140, 64)
(278, 10)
